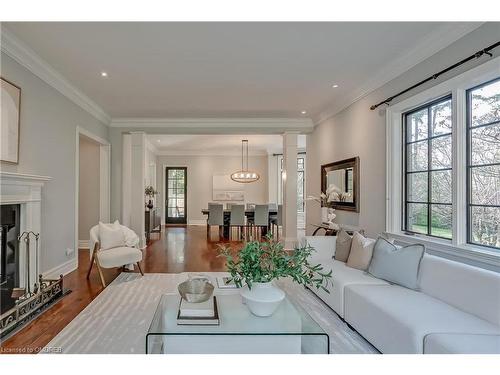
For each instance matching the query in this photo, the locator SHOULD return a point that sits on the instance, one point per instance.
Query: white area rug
(118, 319)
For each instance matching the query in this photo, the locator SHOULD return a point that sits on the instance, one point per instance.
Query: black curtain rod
(478, 54)
(298, 153)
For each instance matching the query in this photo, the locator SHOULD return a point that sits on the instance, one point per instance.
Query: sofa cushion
(341, 277)
(343, 246)
(361, 252)
(119, 256)
(468, 288)
(456, 343)
(396, 319)
(398, 265)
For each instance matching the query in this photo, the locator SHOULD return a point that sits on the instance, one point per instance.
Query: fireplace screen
(9, 254)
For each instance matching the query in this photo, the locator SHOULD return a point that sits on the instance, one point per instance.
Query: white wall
(88, 192)
(200, 170)
(358, 131)
(47, 147)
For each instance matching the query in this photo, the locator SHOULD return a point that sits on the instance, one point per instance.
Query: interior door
(176, 199)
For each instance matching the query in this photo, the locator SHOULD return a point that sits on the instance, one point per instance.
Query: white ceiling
(228, 69)
(218, 144)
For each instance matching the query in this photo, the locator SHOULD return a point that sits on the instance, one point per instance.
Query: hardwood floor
(176, 249)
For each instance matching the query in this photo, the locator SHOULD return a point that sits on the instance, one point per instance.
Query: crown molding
(255, 153)
(217, 125)
(21, 53)
(440, 39)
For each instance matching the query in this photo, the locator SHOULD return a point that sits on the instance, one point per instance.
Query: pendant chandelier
(244, 176)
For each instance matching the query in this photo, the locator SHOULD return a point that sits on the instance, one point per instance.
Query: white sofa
(456, 310)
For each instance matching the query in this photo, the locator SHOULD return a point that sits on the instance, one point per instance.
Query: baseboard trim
(62, 269)
(83, 244)
(197, 222)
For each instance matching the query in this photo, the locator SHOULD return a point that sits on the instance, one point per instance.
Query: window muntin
(428, 169)
(483, 164)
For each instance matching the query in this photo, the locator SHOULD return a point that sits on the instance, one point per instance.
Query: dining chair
(215, 217)
(260, 218)
(277, 221)
(273, 207)
(237, 219)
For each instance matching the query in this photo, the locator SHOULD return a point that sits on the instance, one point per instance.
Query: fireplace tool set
(30, 299)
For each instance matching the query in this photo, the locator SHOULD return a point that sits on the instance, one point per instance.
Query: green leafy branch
(260, 262)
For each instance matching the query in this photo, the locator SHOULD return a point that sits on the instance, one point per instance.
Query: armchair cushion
(111, 236)
(119, 256)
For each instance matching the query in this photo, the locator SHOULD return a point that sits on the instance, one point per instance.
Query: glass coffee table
(290, 330)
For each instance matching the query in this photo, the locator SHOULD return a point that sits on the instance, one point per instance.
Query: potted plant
(327, 201)
(258, 264)
(150, 192)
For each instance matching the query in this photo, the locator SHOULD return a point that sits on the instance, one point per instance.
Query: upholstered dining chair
(277, 221)
(237, 219)
(260, 219)
(120, 256)
(215, 217)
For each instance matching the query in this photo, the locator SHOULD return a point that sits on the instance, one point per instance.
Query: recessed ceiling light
(158, 141)
(335, 86)
(104, 74)
(303, 112)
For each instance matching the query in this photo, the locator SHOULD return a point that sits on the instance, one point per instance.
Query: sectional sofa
(456, 308)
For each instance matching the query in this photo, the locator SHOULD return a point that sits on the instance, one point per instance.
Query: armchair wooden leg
(100, 274)
(140, 270)
(92, 260)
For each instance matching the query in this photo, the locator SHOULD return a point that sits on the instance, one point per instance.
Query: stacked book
(203, 313)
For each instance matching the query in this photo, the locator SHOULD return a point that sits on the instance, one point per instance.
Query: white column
(290, 189)
(104, 182)
(137, 208)
(126, 178)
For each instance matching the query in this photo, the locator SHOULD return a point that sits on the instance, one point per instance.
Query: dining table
(249, 213)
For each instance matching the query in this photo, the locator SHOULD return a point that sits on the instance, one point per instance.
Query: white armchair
(114, 257)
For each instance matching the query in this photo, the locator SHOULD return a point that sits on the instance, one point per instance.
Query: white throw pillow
(111, 235)
(361, 252)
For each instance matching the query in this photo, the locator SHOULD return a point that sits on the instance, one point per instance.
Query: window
(443, 166)
(428, 169)
(483, 164)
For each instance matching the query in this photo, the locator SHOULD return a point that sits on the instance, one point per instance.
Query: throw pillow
(361, 252)
(111, 235)
(398, 265)
(387, 237)
(342, 246)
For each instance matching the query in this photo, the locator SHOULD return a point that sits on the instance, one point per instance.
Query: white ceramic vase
(324, 214)
(263, 299)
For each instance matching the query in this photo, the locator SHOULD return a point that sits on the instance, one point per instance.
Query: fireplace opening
(9, 254)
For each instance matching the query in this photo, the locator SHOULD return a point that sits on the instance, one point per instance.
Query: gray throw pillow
(342, 246)
(398, 265)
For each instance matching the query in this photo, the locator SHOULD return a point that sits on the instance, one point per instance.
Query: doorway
(176, 199)
(102, 175)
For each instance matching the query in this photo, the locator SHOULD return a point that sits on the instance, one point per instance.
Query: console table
(332, 232)
(152, 222)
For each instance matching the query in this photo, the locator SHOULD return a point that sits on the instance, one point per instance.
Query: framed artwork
(10, 110)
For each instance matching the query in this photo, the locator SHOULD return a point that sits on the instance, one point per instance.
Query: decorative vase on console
(259, 264)
(324, 214)
(150, 192)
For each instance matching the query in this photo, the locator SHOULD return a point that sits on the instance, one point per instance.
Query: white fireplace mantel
(26, 190)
